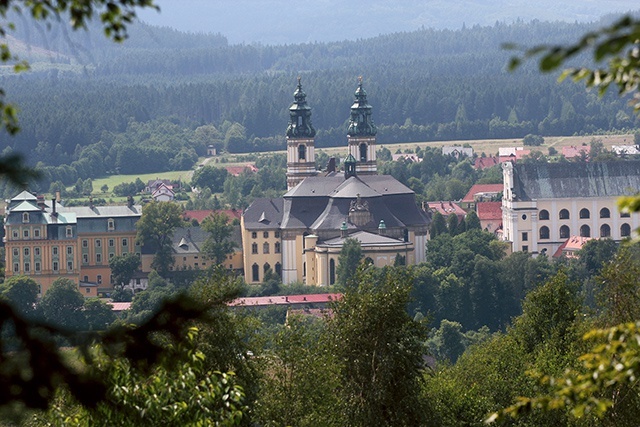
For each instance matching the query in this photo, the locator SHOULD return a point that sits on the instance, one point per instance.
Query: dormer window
(69, 232)
(111, 224)
(25, 217)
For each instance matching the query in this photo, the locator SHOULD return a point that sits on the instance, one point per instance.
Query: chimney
(91, 202)
(129, 202)
(58, 198)
(53, 207)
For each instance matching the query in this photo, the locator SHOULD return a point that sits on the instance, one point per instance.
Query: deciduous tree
(218, 244)
(155, 229)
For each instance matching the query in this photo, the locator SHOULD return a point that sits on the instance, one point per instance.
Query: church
(300, 235)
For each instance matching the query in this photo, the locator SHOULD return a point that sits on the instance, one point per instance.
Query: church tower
(301, 161)
(361, 135)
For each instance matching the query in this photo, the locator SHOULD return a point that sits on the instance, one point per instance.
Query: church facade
(300, 235)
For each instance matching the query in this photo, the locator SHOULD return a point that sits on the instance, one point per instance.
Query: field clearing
(113, 180)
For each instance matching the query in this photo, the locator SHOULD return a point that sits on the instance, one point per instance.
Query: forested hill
(424, 85)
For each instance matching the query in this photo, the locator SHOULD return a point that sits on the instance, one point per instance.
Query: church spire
(300, 140)
(361, 134)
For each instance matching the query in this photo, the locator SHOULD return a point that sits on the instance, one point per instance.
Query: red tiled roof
(447, 208)
(200, 215)
(489, 210)
(237, 170)
(573, 151)
(285, 300)
(485, 162)
(120, 306)
(573, 244)
(481, 188)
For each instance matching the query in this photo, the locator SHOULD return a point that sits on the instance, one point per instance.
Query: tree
(210, 177)
(104, 188)
(123, 267)
(155, 228)
(472, 221)
(348, 261)
(21, 292)
(62, 305)
(379, 350)
(438, 225)
(533, 140)
(98, 314)
(218, 244)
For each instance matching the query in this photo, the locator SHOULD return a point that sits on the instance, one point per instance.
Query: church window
(605, 230)
(625, 230)
(584, 213)
(302, 152)
(564, 214)
(605, 213)
(332, 272)
(544, 232)
(585, 231)
(544, 214)
(525, 236)
(564, 232)
(363, 152)
(255, 273)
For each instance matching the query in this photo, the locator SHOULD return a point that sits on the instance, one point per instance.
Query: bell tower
(361, 135)
(301, 161)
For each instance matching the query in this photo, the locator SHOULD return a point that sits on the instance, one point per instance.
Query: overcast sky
(287, 21)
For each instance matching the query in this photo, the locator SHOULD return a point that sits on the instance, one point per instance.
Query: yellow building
(545, 204)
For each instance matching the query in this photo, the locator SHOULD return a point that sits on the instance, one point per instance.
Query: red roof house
(490, 215)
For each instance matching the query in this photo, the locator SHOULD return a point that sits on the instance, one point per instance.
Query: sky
(305, 21)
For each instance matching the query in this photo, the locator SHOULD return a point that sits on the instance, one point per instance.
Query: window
(276, 248)
(85, 258)
(605, 230)
(36, 232)
(26, 252)
(544, 214)
(585, 231)
(112, 243)
(524, 217)
(111, 279)
(16, 267)
(363, 152)
(111, 225)
(276, 234)
(605, 213)
(111, 255)
(25, 217)
(54, 250)
(265, 234)
(16, 252)
(525, 236)
(302, 152)
(332, 271)
(55, 266)
(254, 248)
(38, 267)
(255, 273)
(564, 214)
(265, 248)
(266, 267)
(36, 251)
(564, 232)
(15, 234)
(99, 279)
(27, 267)
(85, 243)
(69, 250)
(85, 279)
(625, 214)
(87, 290)
(25, 233)
(69, 265)
(98, 258)
(625, 230)
(279, 269)
(69, 232)
(525, 248)
(98, 243)
(584, 213)
(125, 242)
(254, 235)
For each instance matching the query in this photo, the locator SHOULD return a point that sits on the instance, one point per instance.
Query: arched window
(363, 152)
(255, 273)
(625, 230)
(605, 230)
(544, 232)
(605, 213)
(25, 217)
(584, 213)
(111, 224)
(279, 269)
(585, 231)
(564, 232)
(266, 267)
(332, 272)
(265, 248)
(302, 152)
(254, 248)
(564, 214)
(544, 214)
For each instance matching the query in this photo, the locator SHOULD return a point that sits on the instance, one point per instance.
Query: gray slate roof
(571, 180)
(264, 213)
(366, 239)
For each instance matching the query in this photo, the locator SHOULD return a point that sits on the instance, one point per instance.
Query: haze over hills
(285, 22)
